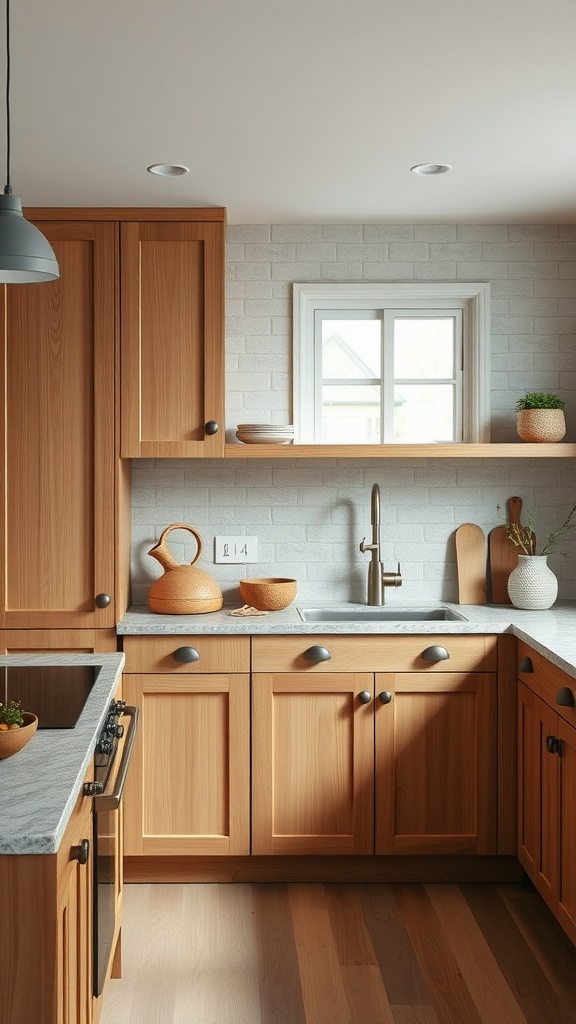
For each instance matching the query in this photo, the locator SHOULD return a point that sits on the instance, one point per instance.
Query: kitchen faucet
(377, 578)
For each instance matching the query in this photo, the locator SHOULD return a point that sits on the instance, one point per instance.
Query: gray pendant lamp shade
(25, 255)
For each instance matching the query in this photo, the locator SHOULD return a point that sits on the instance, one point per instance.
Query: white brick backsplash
(310, 515)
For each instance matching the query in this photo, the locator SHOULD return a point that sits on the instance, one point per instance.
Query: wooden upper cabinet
(57, 436)
(172, 355)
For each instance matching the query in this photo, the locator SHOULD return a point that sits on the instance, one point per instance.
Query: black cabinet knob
(80, 853)
(553, 745)
(565, 697)
(364, 696)
(317, 653)
(385, 696)
(526, 665)
(211, 427)
(102, 600)
(436, 653)
(185, 655)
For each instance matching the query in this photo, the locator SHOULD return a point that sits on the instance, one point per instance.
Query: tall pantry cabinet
(137, 313)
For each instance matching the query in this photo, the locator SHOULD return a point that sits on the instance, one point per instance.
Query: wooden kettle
(183, 589)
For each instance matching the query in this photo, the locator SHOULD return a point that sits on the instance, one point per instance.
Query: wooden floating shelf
(400, 451)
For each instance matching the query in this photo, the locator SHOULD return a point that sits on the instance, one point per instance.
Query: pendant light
(25, 254)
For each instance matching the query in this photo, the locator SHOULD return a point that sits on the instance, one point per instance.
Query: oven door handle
(111, 801)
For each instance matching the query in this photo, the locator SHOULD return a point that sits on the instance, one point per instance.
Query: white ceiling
(298, 110)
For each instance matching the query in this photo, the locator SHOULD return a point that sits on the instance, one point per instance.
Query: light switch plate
(235, 549)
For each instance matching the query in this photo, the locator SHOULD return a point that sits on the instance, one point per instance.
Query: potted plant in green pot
(540, 417)
(532, 584)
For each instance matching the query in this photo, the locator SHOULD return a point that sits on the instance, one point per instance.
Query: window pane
(423, 413)
(424, 347)
(350, 415)
(350, 349)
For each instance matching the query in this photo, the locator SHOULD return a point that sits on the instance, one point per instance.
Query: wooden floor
(341, 954)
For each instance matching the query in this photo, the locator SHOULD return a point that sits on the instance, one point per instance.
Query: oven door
(108, 859)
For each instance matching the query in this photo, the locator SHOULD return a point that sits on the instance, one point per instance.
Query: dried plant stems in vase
(532, 584)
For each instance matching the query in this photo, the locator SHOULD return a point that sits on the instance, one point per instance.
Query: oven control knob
(104, 746)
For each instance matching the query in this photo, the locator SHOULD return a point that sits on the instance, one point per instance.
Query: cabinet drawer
(547, 681)
(171, 653)
(373, 653)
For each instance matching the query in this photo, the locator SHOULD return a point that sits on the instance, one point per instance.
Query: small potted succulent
(17, 727)
(540, 417)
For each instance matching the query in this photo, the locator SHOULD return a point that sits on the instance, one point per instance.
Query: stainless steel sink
(370, 614)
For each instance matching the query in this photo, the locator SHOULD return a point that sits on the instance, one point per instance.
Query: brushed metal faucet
(377, 578)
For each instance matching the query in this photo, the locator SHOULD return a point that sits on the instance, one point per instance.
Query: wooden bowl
(12, 740)
(268, 595)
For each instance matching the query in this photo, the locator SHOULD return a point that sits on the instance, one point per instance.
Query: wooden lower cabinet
(436, 763)
(386, 763)
(547, 797)
(46, 932)
(71, 641)
(187, 792)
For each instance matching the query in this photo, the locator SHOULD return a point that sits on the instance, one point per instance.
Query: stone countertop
(39, 785)
(552, 632)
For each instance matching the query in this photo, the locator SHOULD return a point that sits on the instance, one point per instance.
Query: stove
(55, 693)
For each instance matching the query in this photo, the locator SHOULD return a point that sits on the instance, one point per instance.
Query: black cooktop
(55, 693)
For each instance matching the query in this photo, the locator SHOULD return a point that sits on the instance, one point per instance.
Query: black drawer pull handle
(80, 853)
(526, 665)
(565, 697)
(185, 655)
(317, 654)
(435, 653)
(385, 696)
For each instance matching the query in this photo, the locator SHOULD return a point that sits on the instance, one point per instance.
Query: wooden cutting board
(503, 554)
(471, 562)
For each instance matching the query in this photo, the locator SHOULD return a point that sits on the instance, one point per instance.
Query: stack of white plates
(265, 433)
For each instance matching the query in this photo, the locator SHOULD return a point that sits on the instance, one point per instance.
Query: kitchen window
(399, 363)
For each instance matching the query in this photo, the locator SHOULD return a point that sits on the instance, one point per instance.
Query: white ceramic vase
(532, 584)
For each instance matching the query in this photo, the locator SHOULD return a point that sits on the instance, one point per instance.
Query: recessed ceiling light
(431, 168)
(168, 170)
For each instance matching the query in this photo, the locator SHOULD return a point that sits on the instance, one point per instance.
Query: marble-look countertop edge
(33, 817)
(552, 632)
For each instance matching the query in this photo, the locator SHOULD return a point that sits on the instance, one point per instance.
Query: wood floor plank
(414, 1015)
(484, 980)
(366, 995)
(351, 934)
(532, 990)
(323, 990)
(280, 992)
(399, 967)
(440, 970)
(541, 933)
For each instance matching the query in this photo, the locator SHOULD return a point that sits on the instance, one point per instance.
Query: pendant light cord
(8, 186)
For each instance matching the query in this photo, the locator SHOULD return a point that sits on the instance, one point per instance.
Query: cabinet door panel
(172, 339)
(567, 903)
(58, 436)
(539, 794)
(436, 764)
(312, 764)
(188, 788)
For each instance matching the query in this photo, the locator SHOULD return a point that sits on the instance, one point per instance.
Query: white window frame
(472, 298)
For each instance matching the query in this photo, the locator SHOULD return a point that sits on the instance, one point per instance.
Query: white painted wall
(311, 515)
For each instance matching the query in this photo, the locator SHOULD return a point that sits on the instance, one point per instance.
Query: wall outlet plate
(235, 549)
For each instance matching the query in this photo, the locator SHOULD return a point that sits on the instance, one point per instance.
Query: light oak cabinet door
(188, 789)
(172, 324)
(57, 471)
(74, 937)
(436, 742)
(547, 795)
(313, 763)
(46, 932)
